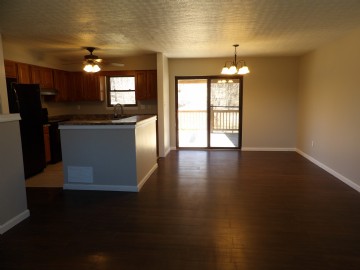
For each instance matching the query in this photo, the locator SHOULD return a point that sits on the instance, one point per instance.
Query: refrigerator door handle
(17, 100)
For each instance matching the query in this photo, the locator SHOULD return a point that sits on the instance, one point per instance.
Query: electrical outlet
(312, 143)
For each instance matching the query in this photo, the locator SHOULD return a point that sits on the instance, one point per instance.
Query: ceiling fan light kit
(91, 61)
(233, 67)
(92, 68)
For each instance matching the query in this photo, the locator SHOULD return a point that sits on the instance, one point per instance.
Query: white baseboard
(257, 149)
(168, 151)
(101, 187)
(146, 177)
(331, 171)
(267, 149)
(14, 221)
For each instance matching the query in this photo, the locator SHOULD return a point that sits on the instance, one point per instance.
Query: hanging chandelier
(235, 67)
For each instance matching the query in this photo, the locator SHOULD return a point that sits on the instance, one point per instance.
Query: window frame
(108, 90)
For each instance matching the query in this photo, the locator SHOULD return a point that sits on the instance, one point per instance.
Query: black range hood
(48, 92)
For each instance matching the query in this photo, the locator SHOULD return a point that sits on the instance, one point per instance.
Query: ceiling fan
(91, 61)
(91, 58)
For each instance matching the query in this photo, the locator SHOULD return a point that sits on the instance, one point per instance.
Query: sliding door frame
(209, 78)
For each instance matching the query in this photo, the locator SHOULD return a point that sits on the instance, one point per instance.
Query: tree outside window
(121, 89)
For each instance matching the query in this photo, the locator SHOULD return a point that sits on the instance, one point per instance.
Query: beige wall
(269, 99)
(329, 110)
(4, 107)
(163, 105)
(20, 53)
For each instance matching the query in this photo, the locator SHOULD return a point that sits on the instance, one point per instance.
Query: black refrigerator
(25, 99)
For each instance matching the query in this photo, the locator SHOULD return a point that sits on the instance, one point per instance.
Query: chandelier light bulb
(244, 70)
(225, 70)
(232, 69)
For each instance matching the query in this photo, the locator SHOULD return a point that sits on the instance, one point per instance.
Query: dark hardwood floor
(199, 210)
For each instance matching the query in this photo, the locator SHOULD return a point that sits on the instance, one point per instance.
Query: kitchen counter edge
(9, 117)
(131, 121)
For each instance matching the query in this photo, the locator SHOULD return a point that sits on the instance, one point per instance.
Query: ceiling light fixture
(233, 68)
(91, 62)
(91, 67)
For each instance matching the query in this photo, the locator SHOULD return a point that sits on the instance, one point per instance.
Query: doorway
(209, 112)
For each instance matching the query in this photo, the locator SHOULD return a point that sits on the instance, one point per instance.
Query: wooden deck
(199, 210)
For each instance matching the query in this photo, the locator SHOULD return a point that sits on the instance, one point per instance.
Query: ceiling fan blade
(117, 64)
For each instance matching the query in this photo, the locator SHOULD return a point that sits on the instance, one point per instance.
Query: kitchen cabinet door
(10, 69)
(42, 76)
(47, 78)
(75, 89)
(35, 74)
(23, 73)
(61, 84)
(146, 84)
(140, 85)
(91, 87)
(151, 83)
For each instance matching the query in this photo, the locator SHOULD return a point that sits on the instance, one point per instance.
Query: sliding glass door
(192, 110)
(208, 112)
(224, 113)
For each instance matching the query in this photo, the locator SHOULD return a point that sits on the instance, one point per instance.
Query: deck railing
(192, 120)
(226, 121)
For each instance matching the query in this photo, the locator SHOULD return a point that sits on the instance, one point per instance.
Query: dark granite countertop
(107, 120)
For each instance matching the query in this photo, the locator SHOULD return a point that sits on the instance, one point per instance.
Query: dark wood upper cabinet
(152, 84)
(43, 76)
(78, 86)
(75, 87)
(140, 85)
(23, 73)
(61, 84)
(91, 87)
(10, 69)
(146, 84)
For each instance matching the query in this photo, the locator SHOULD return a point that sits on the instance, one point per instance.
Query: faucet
(116, 110)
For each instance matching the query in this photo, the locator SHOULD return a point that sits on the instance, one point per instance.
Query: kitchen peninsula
(108, 154)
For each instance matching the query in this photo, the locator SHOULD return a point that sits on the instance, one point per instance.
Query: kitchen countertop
(9, 117)
(128, 120)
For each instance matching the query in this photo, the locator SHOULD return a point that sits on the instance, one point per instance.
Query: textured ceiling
(178, 28)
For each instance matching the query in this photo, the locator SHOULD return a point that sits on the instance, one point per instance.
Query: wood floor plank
(199, 210)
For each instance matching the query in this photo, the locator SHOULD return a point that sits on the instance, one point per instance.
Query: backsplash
(78, 108)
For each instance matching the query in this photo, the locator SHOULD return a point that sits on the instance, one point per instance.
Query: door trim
(209, 78)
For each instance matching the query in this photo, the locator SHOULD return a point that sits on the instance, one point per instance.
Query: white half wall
(13, 204)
